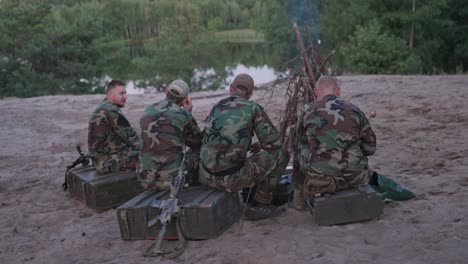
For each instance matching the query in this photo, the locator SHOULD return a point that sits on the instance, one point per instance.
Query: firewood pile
(302, 82)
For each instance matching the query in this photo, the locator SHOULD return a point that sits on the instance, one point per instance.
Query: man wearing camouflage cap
(166, 128)
(228, 133)
(112, 142)
(334, 140)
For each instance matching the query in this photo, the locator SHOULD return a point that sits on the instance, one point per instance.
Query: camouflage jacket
(165, 129)
(109, 132)
(228, 133)
(334, 138)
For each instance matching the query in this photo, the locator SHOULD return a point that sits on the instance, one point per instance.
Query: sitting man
(166, 128)
(228, 133)
(112, 142)
(334, 140)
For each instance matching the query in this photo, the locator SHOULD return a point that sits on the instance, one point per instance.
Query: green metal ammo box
(205, 213)
(361, 203)
(101, 192)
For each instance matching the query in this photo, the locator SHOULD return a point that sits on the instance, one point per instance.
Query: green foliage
(275, 21)
(413, 64)
(40, 56)
(65, 46)
(455, 47)
(437, 41)
(338, 20)
(240, 36)
(372, 51)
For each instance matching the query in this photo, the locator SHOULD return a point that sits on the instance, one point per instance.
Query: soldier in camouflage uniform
(335, 138)
(228, 133)
(166, 128)
(112, 142)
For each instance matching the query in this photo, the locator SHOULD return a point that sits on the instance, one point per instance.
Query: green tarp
(389, 188)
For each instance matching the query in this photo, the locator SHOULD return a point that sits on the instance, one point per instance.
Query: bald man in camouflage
(228, 133)
(112, 142)
(166, 128)
(335, 138)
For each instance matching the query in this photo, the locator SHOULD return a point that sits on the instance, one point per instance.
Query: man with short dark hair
(166, 128)
(335, 138)
(228, 133)
(112, 142)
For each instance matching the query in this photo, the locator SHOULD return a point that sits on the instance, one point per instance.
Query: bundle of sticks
(301, 84)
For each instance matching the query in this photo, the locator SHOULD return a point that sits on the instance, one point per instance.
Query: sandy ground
(421, 126)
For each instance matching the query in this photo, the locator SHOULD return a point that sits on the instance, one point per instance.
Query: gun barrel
(78, 148)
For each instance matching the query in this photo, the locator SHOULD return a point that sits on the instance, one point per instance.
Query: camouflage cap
(179, 89)
(243, 80)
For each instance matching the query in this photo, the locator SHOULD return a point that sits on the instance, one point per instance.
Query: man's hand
(187, 104)
(255, 147)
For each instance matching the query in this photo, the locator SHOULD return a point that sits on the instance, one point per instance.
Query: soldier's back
(228, 132)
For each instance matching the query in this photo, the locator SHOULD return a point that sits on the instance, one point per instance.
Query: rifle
(169, 209)
(83, 159)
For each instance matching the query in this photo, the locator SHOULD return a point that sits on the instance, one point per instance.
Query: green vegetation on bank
(68, 46)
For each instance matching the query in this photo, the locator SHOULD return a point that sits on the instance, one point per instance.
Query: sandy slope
(422, 131)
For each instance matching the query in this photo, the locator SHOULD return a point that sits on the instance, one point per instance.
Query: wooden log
(308, 65)
(290, 108)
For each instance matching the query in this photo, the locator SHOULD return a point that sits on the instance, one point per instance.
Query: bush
(413, 64)
(372, 51)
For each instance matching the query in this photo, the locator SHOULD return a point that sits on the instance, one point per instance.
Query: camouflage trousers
(262, 169)
(316, 183)
(160, 177)
(122, 161)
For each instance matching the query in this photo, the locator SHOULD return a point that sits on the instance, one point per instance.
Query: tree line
(399, 36)
(67, 46)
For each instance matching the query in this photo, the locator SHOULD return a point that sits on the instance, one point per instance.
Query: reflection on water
(209, 67)
(133, 89)
(260, 74)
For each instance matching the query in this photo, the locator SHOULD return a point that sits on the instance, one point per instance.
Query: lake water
(214, 67)
(261, 75)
